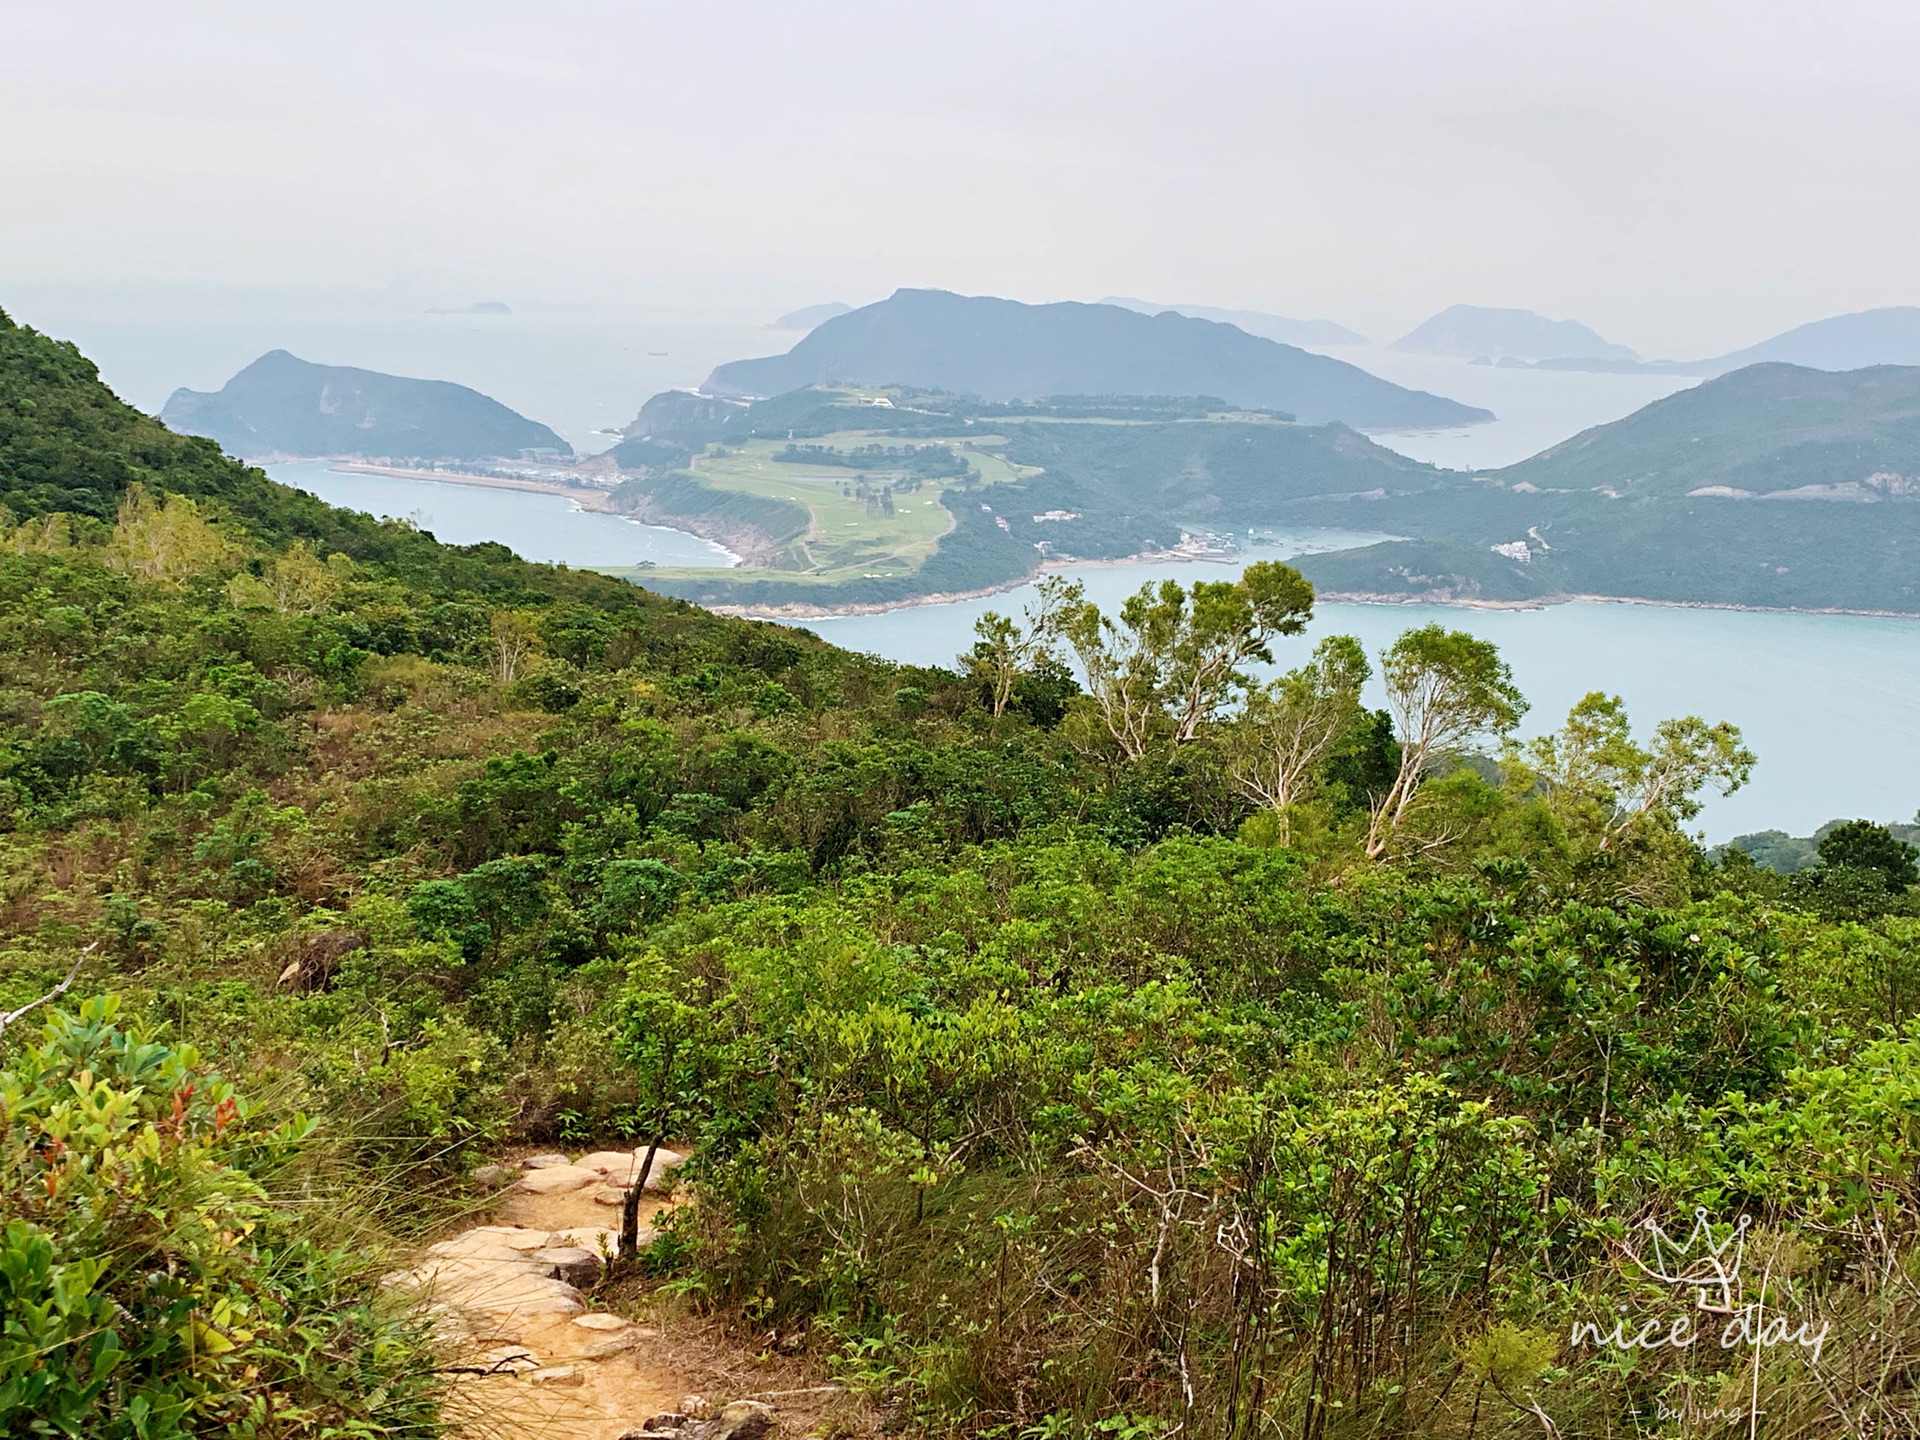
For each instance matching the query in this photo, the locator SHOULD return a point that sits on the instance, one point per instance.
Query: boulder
(600, 1320)
(622, 1168)
(492, 1177)
(558, 1179)
(490, 1242)
(573, 1265)
(613, 1345)
(742, 1420)
(543, 1162)
(508, 1292)
(515, 1237)
(661, 1178)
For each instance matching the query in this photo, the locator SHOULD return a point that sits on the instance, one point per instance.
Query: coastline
(806, 610)
(586, 497)
(800, 610)
(600, 501)
(1544, 602)
(597, 501)
(794, 611)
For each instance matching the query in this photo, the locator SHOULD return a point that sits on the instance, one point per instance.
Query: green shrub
(151, 1284)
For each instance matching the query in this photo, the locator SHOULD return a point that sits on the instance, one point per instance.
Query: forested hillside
(1112, 1050)
(1774, 486)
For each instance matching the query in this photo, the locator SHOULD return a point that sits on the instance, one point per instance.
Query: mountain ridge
(1283, 328)
(1005, 350)
(1860, 340)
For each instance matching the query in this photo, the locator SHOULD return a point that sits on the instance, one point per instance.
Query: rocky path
(542, 1361)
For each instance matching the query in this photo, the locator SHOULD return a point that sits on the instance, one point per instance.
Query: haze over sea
(1829, 702)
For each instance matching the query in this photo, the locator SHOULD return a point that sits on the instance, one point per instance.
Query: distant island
(1476, 331)
(281, 405)
(1004, 350)
(810, 316)
(1286, 330)
(1888, 336)
(1776, 487)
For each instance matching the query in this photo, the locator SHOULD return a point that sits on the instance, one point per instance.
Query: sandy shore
(801, 610)
(806, 610)
(586, 497)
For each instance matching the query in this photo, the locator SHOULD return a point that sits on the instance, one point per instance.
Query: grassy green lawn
(849, 537)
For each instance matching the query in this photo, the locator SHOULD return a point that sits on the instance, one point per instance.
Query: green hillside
(1181, 1056)
(1765, 429)
(1773, 486)
(931, 493)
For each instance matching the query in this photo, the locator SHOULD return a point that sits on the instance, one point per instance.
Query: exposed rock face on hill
(283, 405)
(1004, 350)
(1471, 331)
(681, 417)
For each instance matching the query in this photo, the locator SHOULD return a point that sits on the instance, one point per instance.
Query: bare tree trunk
(630, 1206)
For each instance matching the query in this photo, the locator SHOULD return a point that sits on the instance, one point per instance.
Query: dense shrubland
(1145, 1050)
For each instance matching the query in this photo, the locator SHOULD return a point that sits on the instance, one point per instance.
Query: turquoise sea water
(549, 528)
(1830, 702)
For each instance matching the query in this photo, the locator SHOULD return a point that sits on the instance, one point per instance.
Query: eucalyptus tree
(1445, 689)
(1170, 660)
(1278, 746)
(1003, 651)
(1600, 782)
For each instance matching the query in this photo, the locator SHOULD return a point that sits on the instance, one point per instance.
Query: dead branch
(53, 994)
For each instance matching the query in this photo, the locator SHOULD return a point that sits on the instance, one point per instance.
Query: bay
(1831, 703)
(549, 528)
(1533, 409)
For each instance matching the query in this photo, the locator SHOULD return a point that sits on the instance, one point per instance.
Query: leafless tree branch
(53, 994)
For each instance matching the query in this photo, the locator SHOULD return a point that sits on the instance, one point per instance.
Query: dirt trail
(514, 1299)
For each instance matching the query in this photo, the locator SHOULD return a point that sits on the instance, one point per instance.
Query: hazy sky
(1685, 175)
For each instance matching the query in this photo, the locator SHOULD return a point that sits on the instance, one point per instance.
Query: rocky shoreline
(1543, 602)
